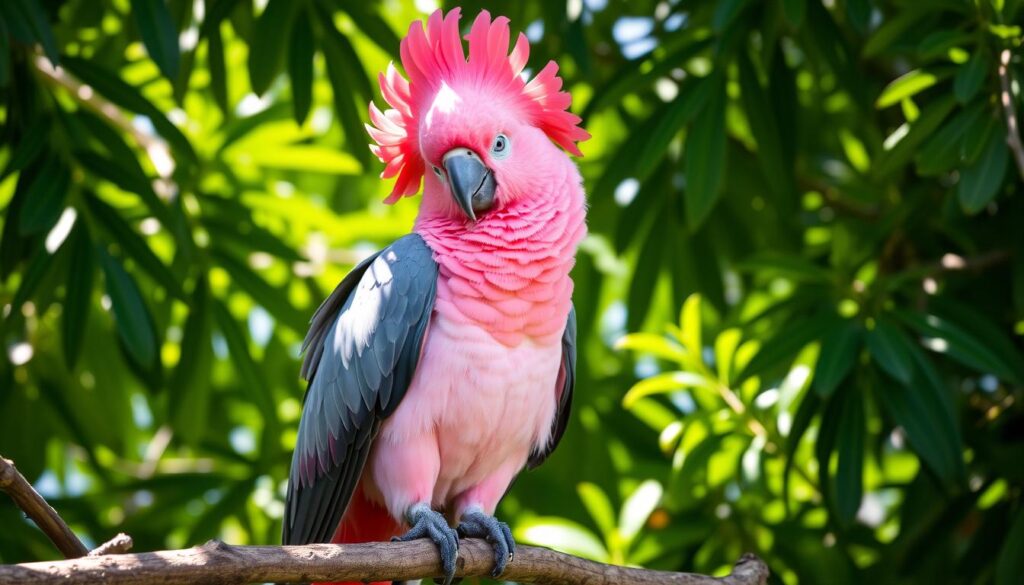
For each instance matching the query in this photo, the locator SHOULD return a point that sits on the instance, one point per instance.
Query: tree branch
(216, 563)
(36, 508)
(1006, 98)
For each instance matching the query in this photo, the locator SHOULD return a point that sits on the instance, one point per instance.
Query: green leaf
(977, 137)
(809, 406)
(27, 23)
(912, 409)
(941, 41)
(839, 349)
(598, 506)
(189, 385)
(77, 292)
(942, 151)
(133, 245)
(678, 113)
(38, 267)
(112, 87)
(218, 69)
(980, 182)
(128, 176)
(266, 54)
(645, 277)
(252, 378)
(371, 24)
(946, 337)
(905, 86)
(970, 76)
(44, 199)
(273, 299)
(931, 117)
(158, 34)
(786, 343)
(664, 383)
(690, 323)
(300, 66)
(1010, 564)
(765, 127)
(638, 508)
(348, 85)
(891, 349)
(134, 323)
(850, 448)
(794, 11)
(704, 159)
(656, 345)
(563, 535)
(29, 147)
(725, 13)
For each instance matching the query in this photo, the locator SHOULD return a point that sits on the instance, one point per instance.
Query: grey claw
(476, 524)
(428, 523)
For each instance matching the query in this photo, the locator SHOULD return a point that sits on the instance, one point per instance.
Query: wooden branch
(1006, 98)
(36, 508)
(121, 543)
(219, 563)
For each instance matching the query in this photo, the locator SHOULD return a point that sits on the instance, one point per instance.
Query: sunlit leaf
(905, 86)
(561, 534)
(598, 506)
(662, 383)
(638, 508)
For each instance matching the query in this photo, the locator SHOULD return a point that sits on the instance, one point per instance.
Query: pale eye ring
(502, 146)
(437, 171)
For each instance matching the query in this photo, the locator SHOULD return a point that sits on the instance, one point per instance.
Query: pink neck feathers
(509, 272)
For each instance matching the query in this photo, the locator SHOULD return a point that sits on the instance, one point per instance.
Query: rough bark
(219, 563)
(36, 508)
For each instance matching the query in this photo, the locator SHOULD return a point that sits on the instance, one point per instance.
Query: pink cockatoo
(444, 365)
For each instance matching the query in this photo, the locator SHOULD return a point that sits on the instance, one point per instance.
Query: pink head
(477, 133)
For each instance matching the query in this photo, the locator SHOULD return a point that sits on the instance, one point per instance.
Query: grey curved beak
(472, 183)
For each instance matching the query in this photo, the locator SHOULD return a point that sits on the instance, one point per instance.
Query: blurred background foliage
(801, 303)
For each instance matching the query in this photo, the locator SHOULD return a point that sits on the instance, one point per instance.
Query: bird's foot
(476, 524)
(427, 523)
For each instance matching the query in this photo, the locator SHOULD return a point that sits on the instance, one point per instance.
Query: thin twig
(120, 544)
(1006, 98)
(216, 562)
(36, 508)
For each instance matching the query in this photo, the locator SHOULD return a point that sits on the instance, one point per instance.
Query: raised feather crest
(434, 56)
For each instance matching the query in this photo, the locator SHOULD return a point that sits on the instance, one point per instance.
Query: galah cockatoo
(443, 365)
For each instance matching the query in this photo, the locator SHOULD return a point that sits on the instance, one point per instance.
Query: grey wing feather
(565, 384)
(361, 352)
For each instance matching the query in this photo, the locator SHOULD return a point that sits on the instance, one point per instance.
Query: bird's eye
(501, 146)
(438, 172)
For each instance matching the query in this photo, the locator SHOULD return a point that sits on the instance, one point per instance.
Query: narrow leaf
(158, 34)
(704, 159)
(905, 86)
(300, 66)
(891, 349)
(44, 200)
(78, 292)
(271, 33)
(134, 324)
(850, 449)
(189, 385)
(980, 182)
(970, 76)
(839, 349)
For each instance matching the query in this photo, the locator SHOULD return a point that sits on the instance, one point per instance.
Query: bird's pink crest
(434, 56)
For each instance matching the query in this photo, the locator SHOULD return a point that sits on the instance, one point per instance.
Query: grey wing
(564, 385)
(361, 352)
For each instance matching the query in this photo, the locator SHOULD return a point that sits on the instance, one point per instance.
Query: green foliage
(800, 303)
